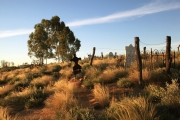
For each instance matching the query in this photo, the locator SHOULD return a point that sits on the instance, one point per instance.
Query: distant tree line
(6, 63)
(52, 39)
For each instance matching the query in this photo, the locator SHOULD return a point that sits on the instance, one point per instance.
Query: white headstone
(111, 55)
(129, 55)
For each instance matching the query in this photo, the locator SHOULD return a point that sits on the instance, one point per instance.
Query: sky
(108, 25)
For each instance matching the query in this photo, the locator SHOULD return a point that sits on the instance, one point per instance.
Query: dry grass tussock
(34, 70)
(44, 80)
(132, 109)
(92, 72)
(5, 114)
(133, 75)
(101, 95)
(66, 72)
(64, 86)
(12, 74)
(24, 93)
(65, 64)
(4, 76)
(112, 73)
(105, 61)
(5, 89)
(60, 101)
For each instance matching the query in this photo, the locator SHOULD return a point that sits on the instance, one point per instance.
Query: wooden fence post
(168, 56)
(102, 55)
(92, 57)
(139, 61)
(151, 59)
(174, 58)
(163, 59)
(144, 50)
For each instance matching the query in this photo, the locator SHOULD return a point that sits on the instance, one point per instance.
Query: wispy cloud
(155, 7)
(151, 8)
(10, 33)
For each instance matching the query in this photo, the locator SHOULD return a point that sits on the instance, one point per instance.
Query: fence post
(168, 56)
(174, 58)
(92, 57)
(139, 61)
(144, 50)
(151, 59)
(102, 55)
(163, 59)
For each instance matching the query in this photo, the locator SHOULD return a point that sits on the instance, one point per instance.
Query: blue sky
(108, 25)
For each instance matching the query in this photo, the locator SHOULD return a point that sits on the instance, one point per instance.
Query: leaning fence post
(139, 61)
(151, 59)
(92, 57)
(174, 58)
(168, 56)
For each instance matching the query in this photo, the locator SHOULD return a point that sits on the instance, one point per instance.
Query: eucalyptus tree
(58, 40)
(38, 43)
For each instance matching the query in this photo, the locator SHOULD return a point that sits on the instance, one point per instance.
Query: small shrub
(175, 74)
(124, 83)
(36, 99)
(172, 93)
(168, 96)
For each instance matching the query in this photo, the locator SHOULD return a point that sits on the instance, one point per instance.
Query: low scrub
(125, 83)
(169, 95)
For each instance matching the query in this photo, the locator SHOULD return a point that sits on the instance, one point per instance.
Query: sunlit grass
(101, 95)
(66, 72)
(112, 74)
(65, 86)
(5, 89)
(42, 81)
(131, 109)
(60, 100)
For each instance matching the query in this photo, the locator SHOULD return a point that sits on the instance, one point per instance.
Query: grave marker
(111, 55)
(129, 55)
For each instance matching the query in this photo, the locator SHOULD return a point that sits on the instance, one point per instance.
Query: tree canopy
(52, 39)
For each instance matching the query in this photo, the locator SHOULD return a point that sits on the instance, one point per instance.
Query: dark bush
(56, 68)
(56, 75)
(168, 112)
(36, 99)
(124, 83)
